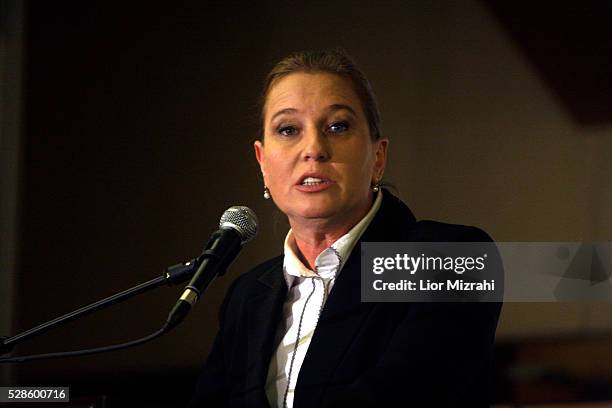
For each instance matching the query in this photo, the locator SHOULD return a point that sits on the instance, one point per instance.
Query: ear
(380, 160)
(259, 155)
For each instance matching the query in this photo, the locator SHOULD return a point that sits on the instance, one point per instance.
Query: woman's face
(318, 158)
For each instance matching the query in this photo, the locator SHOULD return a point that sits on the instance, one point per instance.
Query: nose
(316, 146)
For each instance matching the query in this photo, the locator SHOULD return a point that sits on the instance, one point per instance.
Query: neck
(313, 236)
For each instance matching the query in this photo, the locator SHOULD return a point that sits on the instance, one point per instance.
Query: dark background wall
(137, 130)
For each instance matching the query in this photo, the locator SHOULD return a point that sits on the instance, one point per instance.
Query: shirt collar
(329, 262)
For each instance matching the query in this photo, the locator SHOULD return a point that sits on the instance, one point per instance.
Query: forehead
(310, 91)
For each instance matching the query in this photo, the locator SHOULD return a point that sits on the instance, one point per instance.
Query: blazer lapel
(264, 313)
(344, 314)
(339, 323)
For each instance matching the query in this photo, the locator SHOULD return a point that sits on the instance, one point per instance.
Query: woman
(293, 331)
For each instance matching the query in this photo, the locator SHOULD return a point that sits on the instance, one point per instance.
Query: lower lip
(315, 188)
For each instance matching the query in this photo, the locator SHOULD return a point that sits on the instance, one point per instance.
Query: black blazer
(361, 354)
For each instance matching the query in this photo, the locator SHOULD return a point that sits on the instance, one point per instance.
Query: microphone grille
(242, 219)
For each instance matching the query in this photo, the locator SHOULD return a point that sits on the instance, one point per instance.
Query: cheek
(363, 161)
(357, 169)
(276, 166)
(367, 169)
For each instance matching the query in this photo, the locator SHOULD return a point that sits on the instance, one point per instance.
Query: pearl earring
(376, 187)
(266, 193)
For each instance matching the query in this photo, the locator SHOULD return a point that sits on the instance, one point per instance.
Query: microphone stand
(174, 275)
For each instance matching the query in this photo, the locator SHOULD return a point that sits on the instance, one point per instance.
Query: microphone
(237, 226)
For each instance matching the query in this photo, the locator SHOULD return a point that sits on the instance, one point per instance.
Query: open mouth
(312, 181)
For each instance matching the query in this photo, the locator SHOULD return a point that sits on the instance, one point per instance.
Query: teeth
(311, 181)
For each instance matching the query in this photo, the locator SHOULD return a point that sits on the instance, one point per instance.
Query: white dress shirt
(308, 291)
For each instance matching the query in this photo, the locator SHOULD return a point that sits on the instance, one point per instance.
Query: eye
(287, 130)
(338, 127)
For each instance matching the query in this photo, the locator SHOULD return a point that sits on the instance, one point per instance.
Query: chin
(314, 211)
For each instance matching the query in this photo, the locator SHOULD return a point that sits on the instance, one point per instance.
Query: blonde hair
(335, 61)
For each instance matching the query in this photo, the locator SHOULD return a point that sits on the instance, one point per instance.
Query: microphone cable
(46, 356)
(237, 226)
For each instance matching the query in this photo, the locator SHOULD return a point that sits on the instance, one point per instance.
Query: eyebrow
(339, 106)
(333, 108)
(282, 112)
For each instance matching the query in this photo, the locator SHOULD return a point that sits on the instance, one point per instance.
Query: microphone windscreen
(242, 219)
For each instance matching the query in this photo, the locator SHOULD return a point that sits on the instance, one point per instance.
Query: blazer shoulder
(258, 272)
(244, 285)
(435, 231)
